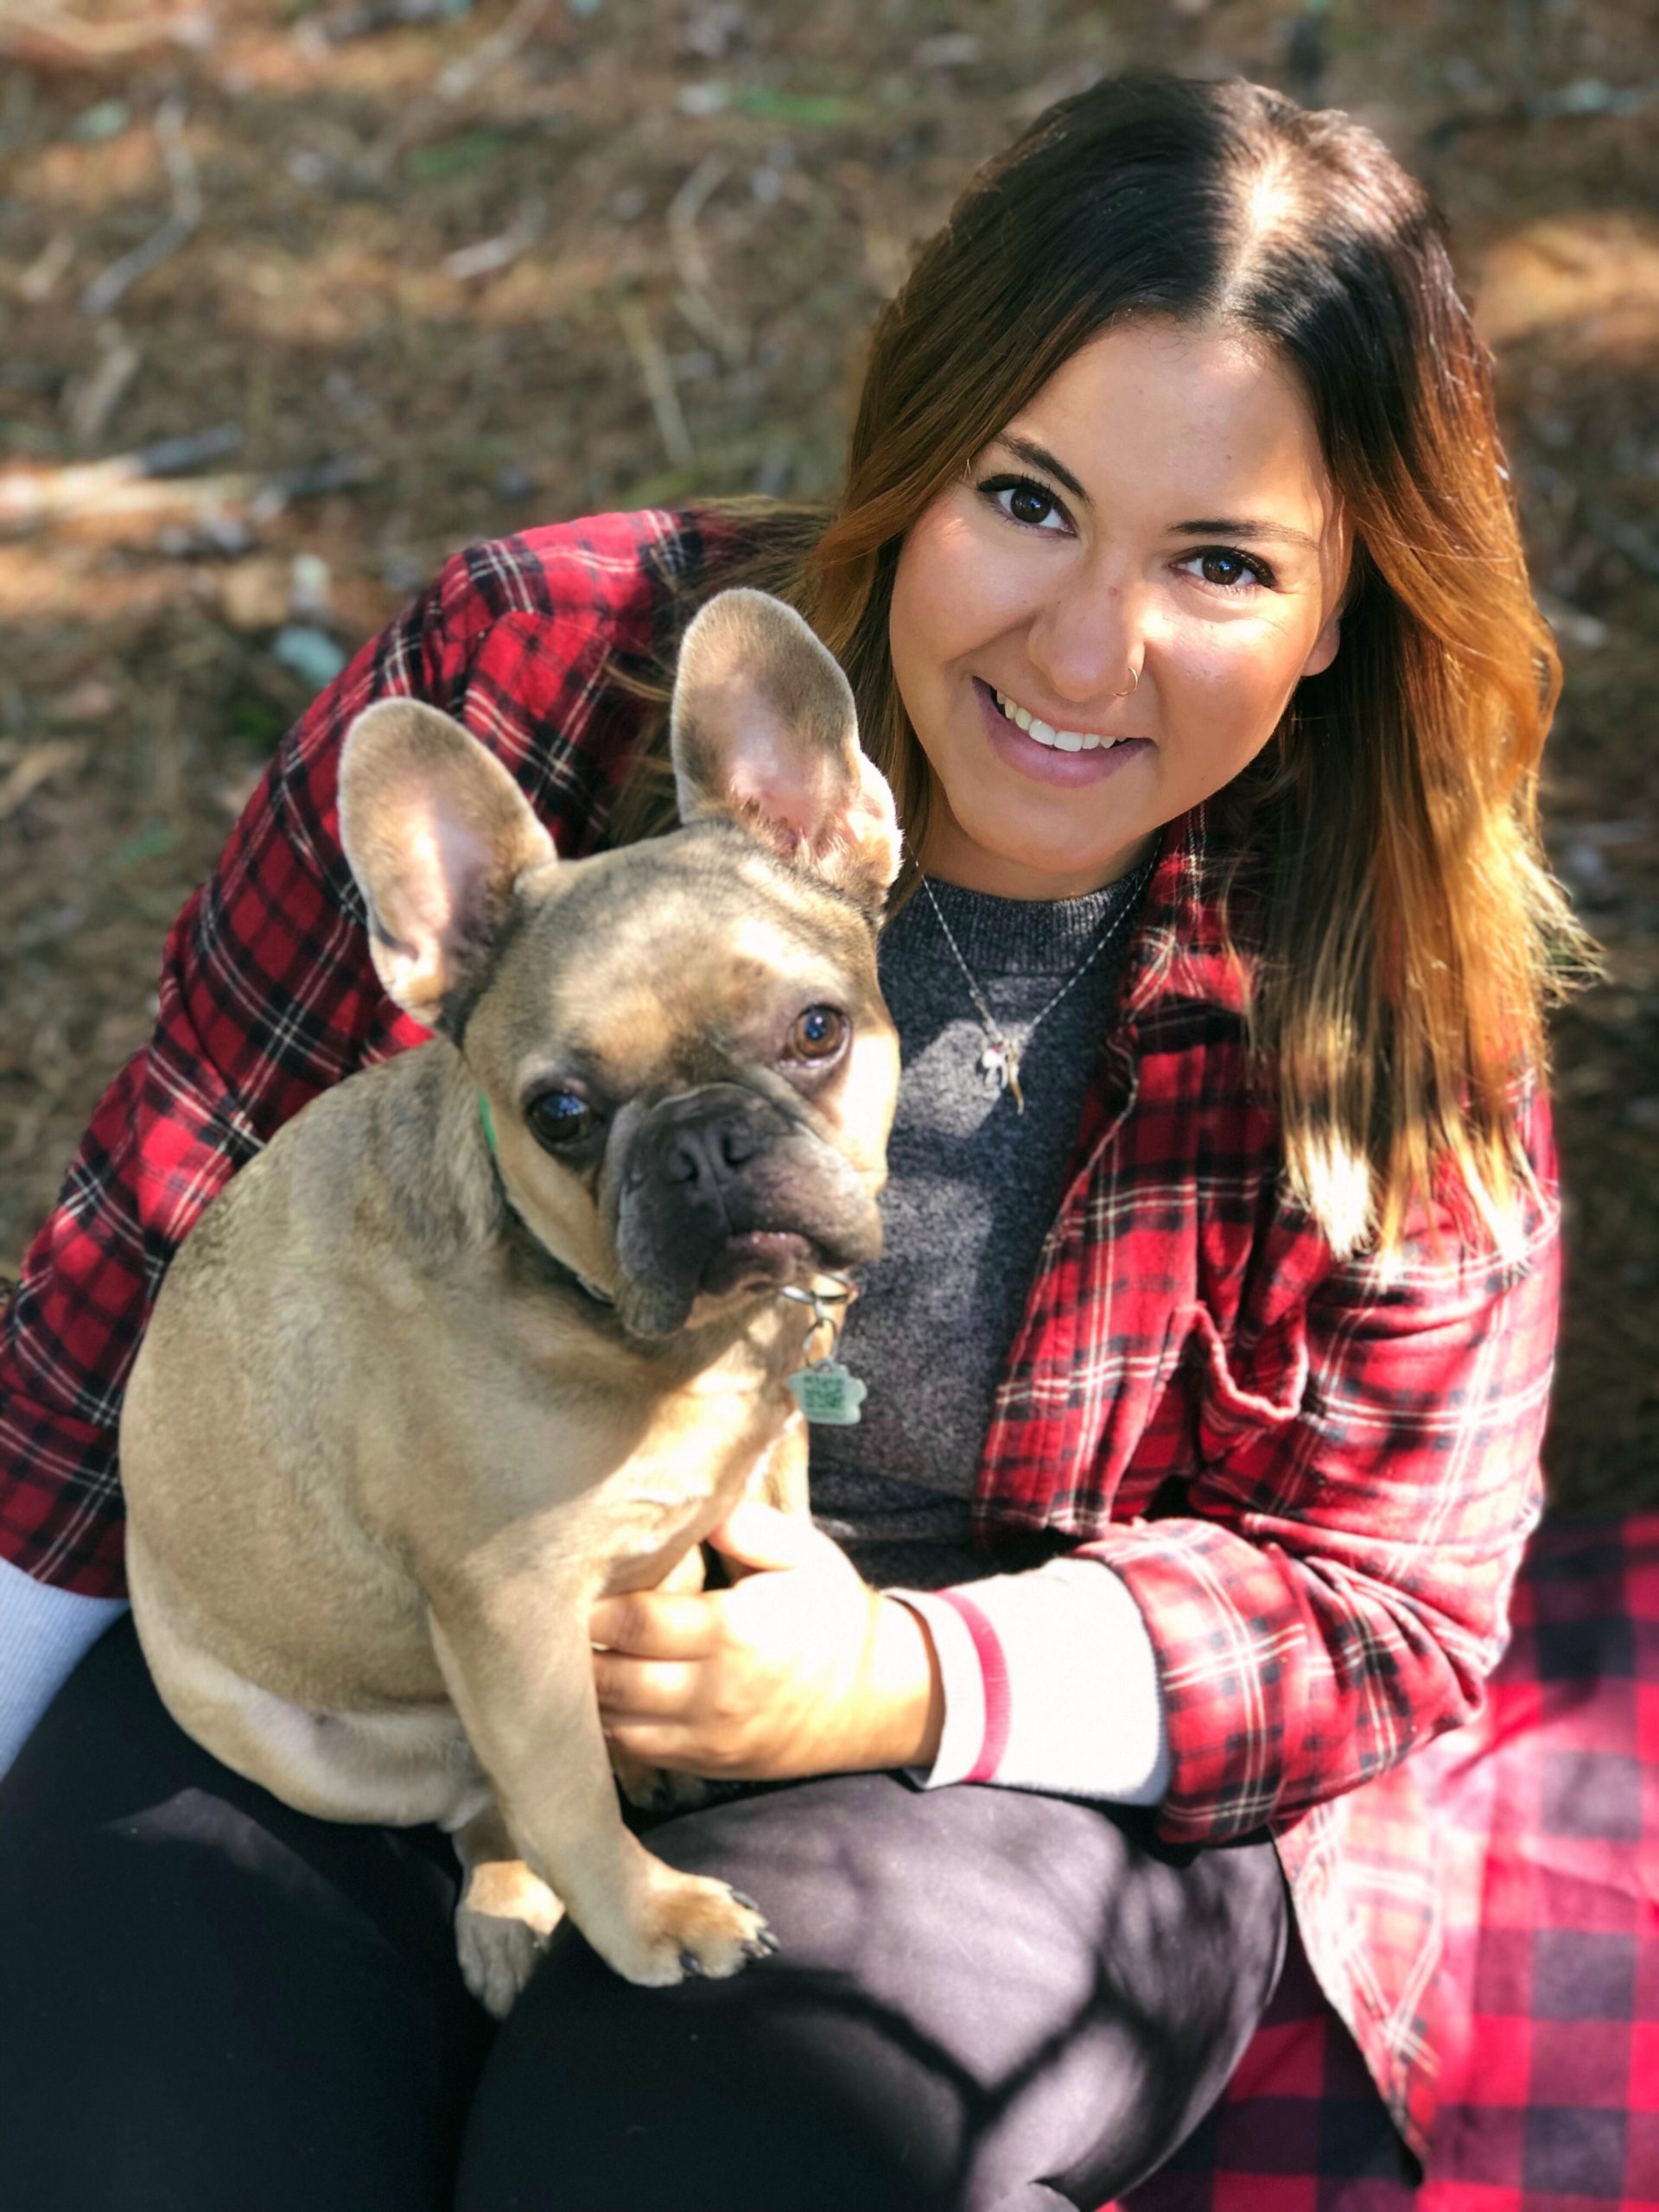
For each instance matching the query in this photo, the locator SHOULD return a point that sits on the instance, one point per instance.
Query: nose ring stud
(1135, 678)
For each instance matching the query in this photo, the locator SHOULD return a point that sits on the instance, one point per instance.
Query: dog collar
(600, 1297)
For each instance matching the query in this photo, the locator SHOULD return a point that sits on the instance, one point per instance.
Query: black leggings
(985, 2000)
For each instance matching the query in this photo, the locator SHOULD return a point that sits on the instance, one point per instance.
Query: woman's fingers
(658, 1743)
(652, 1626)
(758, 1535)
(643, 1689)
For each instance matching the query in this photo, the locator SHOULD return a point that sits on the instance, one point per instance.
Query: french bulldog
(494, 1329)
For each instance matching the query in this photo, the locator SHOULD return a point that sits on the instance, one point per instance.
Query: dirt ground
(297, 296)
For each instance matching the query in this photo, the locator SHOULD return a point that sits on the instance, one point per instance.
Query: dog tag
(829, 1394)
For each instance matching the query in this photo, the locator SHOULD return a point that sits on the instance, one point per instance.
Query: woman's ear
(1325, 646)
(1338, 558)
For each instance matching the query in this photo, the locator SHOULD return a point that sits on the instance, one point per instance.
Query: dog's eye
(558, 1118)
(817, 1034)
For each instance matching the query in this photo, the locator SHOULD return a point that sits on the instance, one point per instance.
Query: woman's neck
(950, 856)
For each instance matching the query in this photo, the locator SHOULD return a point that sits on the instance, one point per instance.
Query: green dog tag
(827, 1393)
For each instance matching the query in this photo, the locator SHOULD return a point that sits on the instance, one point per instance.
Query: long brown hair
(1411, 935)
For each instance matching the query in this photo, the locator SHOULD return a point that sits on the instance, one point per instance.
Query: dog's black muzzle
(725, 1191)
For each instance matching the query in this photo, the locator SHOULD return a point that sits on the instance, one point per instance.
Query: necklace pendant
(1000, 1062)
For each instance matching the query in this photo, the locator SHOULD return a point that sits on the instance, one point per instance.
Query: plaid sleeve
(1335, 1590)
(267, 994)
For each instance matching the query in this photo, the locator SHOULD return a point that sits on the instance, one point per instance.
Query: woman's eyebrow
(1040, 457)
(1226, 529)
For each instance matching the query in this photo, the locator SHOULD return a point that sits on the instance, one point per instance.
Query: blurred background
(297, 296)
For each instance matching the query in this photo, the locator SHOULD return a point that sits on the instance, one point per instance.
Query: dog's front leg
(518, 1666)
(506, 1914)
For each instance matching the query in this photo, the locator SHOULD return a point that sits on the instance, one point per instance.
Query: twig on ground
(152, 483)
(465, 74)
(659, 378)
(40, 280)
(335, 473)
(453, 83)
(695, 297)
(46, 38)
(38, 763)
(490, 256)
(92, 397)
(101, 294)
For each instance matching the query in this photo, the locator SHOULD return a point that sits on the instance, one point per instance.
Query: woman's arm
(266, 996)
(43, 1633)
(1334, 1593)
(1334, 1590)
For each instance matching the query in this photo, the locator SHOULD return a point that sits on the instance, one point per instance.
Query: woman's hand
(800, 1668)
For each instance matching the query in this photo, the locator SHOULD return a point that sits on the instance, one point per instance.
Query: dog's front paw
(689, 1926)
(655, 1788)
(502, 1925)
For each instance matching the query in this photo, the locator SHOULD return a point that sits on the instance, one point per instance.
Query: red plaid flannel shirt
(1316, 1483)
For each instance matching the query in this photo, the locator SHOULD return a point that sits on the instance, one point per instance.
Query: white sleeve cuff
(1051, 1683)
(43, 1632)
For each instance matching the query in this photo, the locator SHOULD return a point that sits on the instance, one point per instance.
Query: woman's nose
(1087, 636)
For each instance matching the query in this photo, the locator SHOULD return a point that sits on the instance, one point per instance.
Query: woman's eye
(1230, 571)
(818, 1035)
(1024, 500)
(559, 1118)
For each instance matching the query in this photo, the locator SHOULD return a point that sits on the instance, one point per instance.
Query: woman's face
(1157, 523)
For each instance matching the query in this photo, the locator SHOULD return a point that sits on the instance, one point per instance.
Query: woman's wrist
(904, 1702)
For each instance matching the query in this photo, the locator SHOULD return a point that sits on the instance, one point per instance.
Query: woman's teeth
(1062, 740)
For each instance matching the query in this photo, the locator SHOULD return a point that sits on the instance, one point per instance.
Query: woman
(1179, 583)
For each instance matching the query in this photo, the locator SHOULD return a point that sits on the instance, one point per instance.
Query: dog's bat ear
(437, 833)
(764, 733)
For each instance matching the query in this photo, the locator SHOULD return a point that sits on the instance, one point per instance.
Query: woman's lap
(983, 1999)
(209, 1999)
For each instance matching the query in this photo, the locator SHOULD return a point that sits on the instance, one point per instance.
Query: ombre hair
(1408, 936)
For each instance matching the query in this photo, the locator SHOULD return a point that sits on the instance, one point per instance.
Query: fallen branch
(490, 256)
(45, 38)
(101, 294)
(464, 75)
(658, 376)
(93, 397)
(695, 297)
(151, 483)
(38, 764)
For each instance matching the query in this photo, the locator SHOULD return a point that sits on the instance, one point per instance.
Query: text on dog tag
(829, 1393)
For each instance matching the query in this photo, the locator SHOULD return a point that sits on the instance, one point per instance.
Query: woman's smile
(1034, 747)
(1084, 650)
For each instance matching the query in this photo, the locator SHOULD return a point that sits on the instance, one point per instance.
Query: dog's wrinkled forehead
(663, 961)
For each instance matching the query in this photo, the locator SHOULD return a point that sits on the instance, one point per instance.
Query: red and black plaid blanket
(1550, 1980)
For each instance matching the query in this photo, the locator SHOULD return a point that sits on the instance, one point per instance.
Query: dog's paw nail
(763, 1946)
(748, 1903)
(690, 1966)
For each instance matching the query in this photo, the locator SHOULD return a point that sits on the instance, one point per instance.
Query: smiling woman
(1177, 581)
(1139, 673)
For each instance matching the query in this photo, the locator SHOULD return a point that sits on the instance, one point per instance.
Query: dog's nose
(707, 1151)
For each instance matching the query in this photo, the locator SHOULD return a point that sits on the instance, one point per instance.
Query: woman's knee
(975, 1990)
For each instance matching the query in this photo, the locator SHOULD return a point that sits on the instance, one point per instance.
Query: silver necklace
(1000, 1061)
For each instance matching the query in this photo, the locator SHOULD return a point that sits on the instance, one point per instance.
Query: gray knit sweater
(974, 1185)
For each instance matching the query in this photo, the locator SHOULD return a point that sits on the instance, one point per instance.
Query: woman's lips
(1042, 763)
